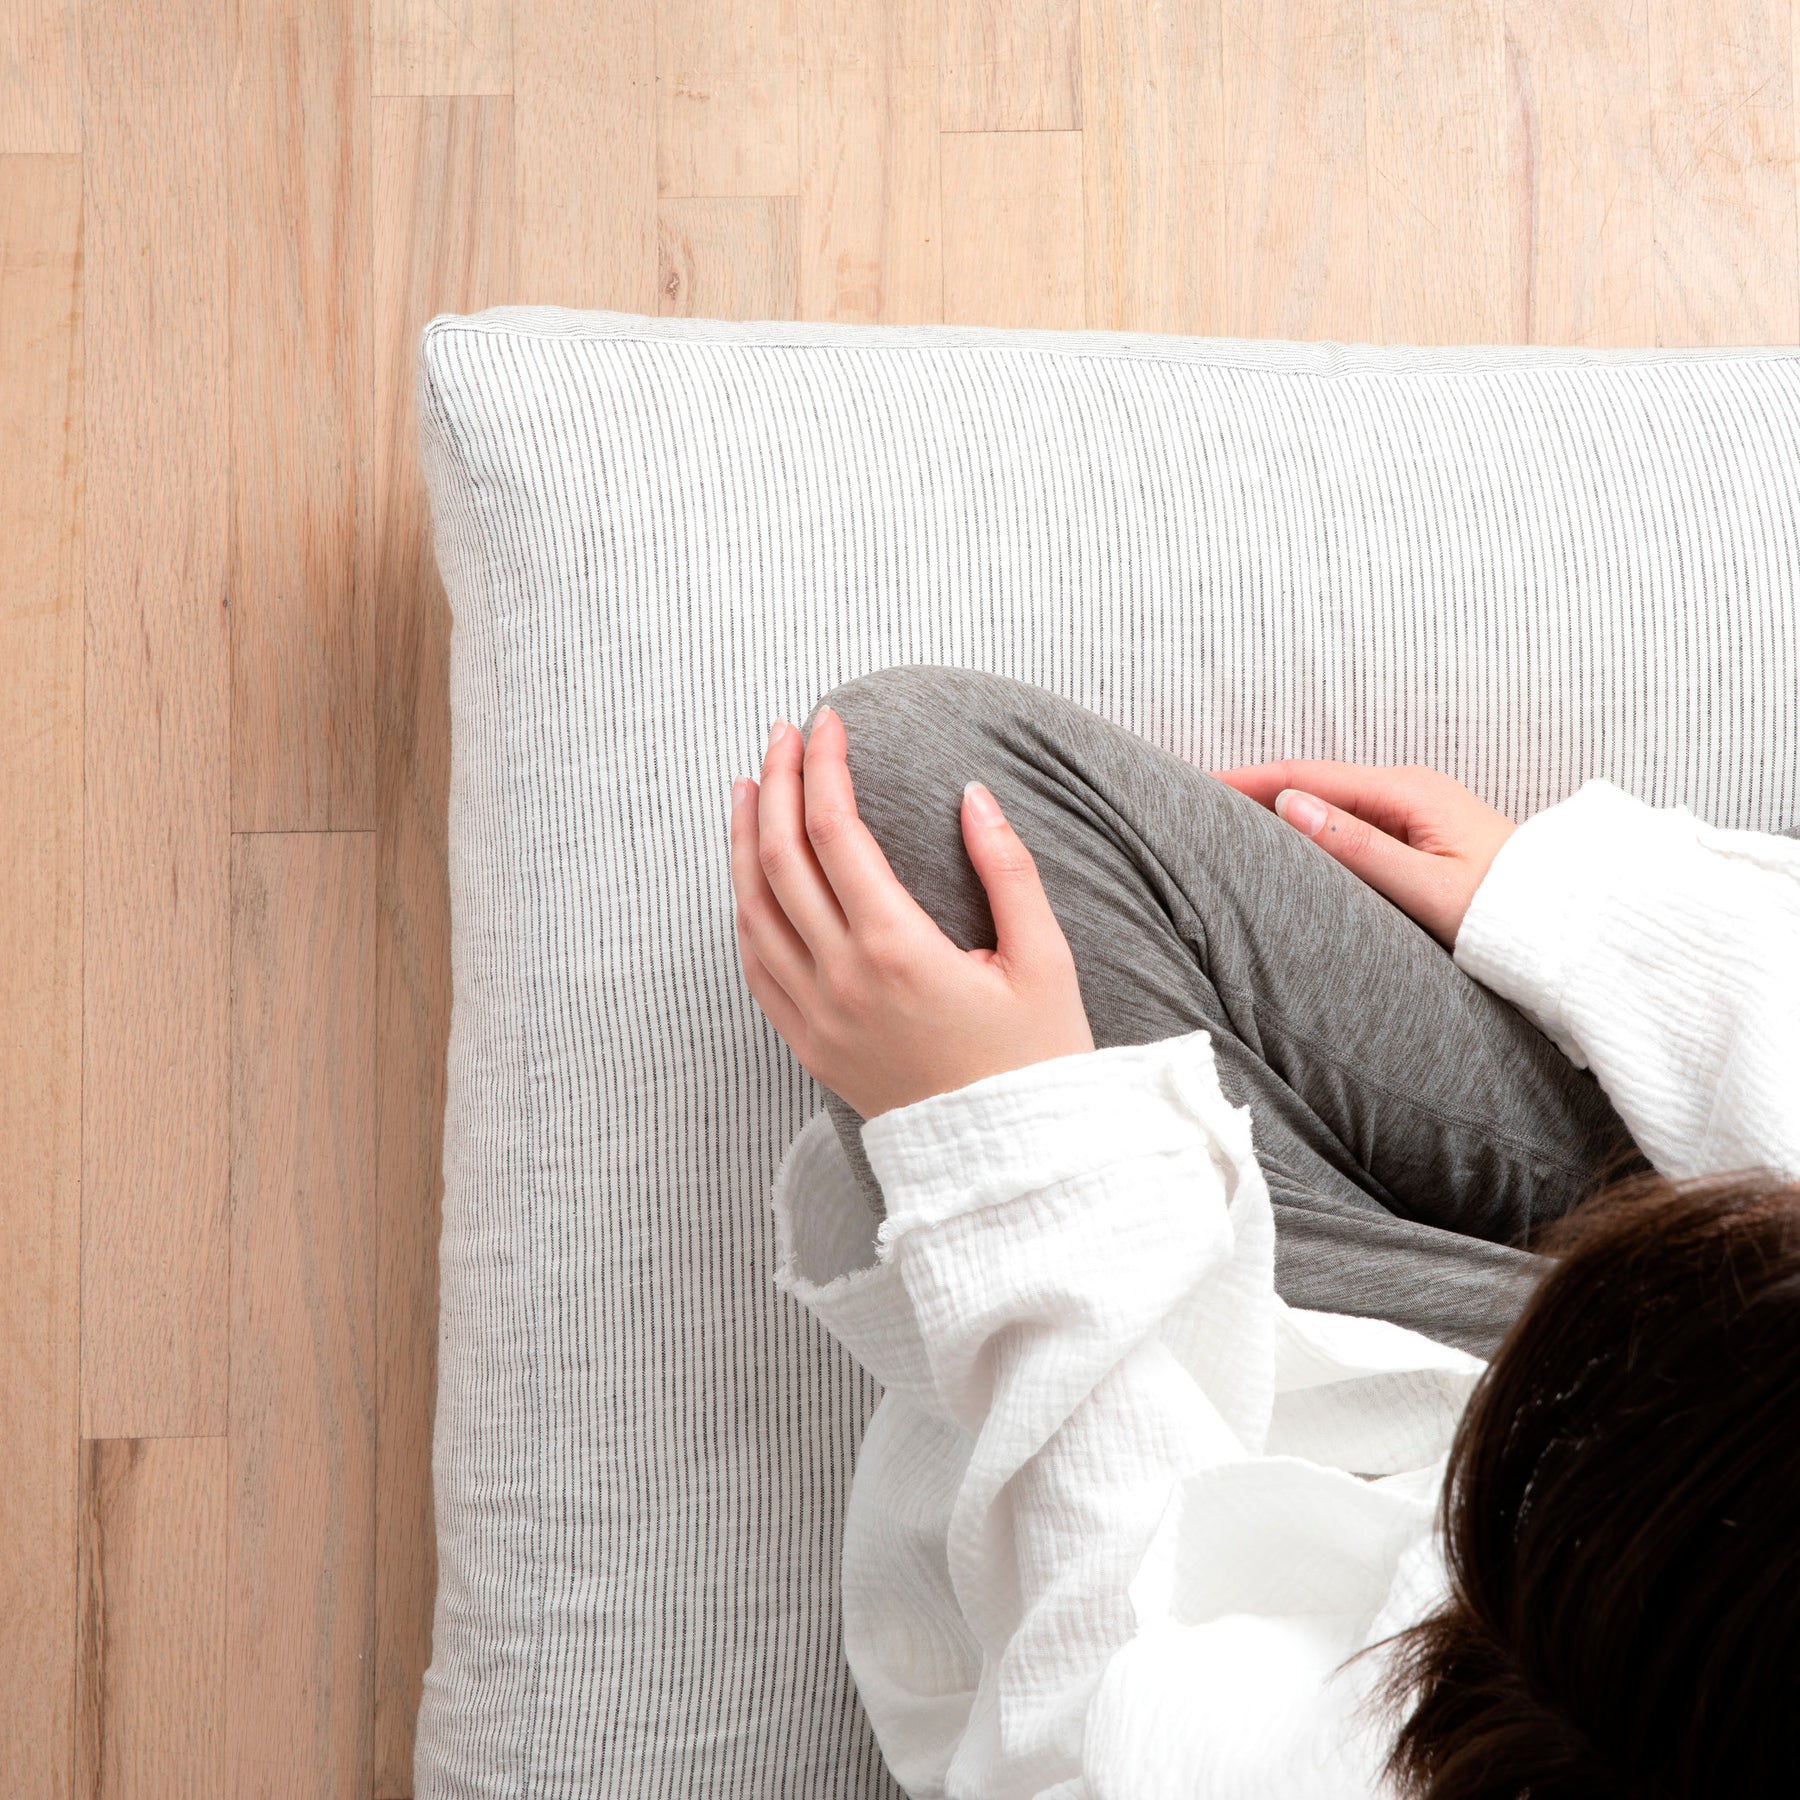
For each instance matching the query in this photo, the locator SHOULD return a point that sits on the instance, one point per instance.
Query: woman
(1205, 1178)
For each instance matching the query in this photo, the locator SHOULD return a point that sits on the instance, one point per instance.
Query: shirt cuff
(825, 1257)
(1050, 1122)
(1537, 914)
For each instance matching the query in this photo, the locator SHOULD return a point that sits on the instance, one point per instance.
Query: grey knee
(915, 726)
(920, 690)
(916, 734)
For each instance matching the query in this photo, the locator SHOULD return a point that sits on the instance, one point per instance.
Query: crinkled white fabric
(1664, 954)
(1123, 1518)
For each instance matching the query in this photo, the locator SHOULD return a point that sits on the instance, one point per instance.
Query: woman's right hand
(1413, 834)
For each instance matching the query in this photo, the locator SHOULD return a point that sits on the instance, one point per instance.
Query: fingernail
(825, 712)
(738, 789)
(984, 809)
(775, 732)
(1302, 811)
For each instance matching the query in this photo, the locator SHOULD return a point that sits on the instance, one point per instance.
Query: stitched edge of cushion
(1268, 356)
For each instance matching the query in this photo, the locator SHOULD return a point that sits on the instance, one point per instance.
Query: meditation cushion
(1525, 567)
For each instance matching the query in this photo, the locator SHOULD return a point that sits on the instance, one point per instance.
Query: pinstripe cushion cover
(1524, 567)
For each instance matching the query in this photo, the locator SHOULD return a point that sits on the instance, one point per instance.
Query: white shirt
(1122, 1514)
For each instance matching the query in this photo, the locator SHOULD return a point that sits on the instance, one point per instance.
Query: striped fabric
(1524, 567)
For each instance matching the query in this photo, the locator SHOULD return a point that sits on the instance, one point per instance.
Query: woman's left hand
(873, 998)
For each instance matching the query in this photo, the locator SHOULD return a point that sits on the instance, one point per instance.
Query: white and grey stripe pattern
(1524, 567)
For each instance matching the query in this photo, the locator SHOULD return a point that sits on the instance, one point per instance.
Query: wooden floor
(223, 936)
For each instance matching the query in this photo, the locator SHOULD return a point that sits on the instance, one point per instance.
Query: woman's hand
(1411, 833)
(872, 997)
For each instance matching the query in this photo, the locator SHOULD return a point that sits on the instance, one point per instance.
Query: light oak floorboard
(1722, 119)
(1297, 184)
(444, 242)
(301, 643)
(1578, 103)
(40, 76)
(301, 1613)
(1153, 167)
(1725, 224)
(727, 97)
(1011, 65)
(1439, 221)
(156, 933)
(1010, 256)
(870, 246)
(40, 959)
(726, 259)
(151, 1655)
(584, 138)
(441, 46)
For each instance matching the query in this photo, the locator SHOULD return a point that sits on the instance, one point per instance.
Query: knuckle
(884, 952)
(834, 1031)
(772, 855)
(843, 991)
(826, 825)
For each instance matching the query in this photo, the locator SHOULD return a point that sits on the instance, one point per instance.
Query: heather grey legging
(1416, 1130)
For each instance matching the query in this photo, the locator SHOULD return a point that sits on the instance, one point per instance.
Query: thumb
(1410, 878)
(1023, 922)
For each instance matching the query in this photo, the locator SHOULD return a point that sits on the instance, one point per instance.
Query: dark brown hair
(1621, 1519)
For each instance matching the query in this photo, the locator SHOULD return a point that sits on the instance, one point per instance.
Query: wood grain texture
(870, 246)
(1722, 110)
(301, 650)
(444, 242)
(301, 1581)
(157, 884)
(1011, 65)
(40, 963)
(261, 242)
(726, 259)
(1439, 218)
(1581, 170)
(584, 137)
(1154, 168)
(151, 1657)
(1011, 256)
(40, 76)
(1297, 188)
(726, 97)
(440, 46)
